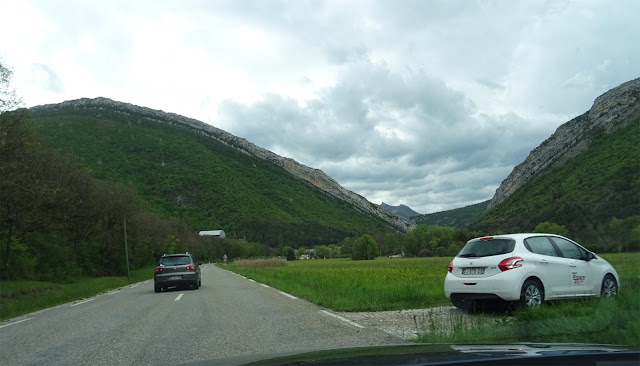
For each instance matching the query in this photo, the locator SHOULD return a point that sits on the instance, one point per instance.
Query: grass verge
(394, 284)
(23, 297)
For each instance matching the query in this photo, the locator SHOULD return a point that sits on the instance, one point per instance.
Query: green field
(399, 283)
(23, 297)
(346, 285)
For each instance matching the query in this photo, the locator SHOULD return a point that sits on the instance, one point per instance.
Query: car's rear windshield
(487, 247)
(175, 261)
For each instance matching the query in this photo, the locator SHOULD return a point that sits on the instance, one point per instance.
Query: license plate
(175, 277)
(473, 271)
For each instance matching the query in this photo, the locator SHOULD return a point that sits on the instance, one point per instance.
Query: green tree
(365, 247)
(322, 252)
(290, 253)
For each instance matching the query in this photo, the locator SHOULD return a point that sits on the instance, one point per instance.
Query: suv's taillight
(191, 267)
(510, 263)
(450, 266)
(159, 269)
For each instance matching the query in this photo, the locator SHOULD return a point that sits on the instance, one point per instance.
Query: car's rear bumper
(495, 287)
(185, 279)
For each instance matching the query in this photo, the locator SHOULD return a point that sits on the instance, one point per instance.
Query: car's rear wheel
(157, 288)
(532, 294)
(196, 285)
(609, 288)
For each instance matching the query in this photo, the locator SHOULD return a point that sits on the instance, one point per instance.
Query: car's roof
(516, 236)
(177, 255)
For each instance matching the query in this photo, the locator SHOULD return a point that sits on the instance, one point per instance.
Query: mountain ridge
(610, 111)
(400, 210)
(313, 176)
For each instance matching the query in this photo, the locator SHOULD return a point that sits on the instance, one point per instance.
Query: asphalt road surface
(228, 316)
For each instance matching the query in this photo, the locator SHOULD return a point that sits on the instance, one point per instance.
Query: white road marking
(113, 292)
(263, 285)
(341, 318)
(289, 296)
(136, 285)
(251, 280)
(179, 297)
(16, 322)
(82, 302)
(147, 281)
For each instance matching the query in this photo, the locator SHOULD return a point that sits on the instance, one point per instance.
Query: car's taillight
(191, 267)
(450, 266)
(510, 263)
(159, 269)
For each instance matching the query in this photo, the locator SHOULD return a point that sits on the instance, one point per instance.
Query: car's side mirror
(590, 256)
(199, 263)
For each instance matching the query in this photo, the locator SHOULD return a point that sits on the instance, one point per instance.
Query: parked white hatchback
(526, 268)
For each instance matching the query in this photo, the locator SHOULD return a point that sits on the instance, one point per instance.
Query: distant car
(177, 270)
(527, 268)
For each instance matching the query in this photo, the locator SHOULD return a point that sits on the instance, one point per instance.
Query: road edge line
(16, 322)
(343, 319)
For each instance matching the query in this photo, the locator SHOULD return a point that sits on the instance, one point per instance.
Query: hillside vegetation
(595, 195)
(184, 175)
(459, 217)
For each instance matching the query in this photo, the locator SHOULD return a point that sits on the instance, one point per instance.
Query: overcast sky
(425, 103)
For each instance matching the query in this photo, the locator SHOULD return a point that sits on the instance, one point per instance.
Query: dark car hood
(450, 354)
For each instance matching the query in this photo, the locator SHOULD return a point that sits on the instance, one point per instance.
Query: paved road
(228, 316)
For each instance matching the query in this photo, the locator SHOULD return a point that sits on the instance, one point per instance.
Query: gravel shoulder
(407, 324)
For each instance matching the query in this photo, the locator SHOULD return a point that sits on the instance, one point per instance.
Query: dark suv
(177, 270)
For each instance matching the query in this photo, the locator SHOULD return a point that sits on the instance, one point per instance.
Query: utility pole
(126, 250)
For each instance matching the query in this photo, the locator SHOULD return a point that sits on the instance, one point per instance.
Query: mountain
(206, 177)
(402, 210)
(584, 177)
(610, 111)
(459, 217)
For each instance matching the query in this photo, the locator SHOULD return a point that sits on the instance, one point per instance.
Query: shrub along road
(228, 316)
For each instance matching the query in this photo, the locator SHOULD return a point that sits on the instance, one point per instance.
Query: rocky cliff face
(315, 177)
(610, 111)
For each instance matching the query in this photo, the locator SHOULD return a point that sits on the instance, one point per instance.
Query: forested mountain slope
(592, 194)
(459, 217)
(183, 173)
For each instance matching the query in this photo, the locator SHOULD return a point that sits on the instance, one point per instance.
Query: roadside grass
(593, 320)
(23, 297)
(346, 285)
(401, 283)
(261, 262)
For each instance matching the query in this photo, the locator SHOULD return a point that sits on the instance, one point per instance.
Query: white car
(526, 268)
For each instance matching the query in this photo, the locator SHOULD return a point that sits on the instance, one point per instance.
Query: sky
(425, 103)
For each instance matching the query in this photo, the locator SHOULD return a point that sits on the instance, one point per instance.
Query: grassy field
(346, 285)
(398, 283)
(23, 297)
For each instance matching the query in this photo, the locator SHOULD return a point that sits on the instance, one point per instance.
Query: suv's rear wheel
(609, 288)
(157, 288)
(532, 294)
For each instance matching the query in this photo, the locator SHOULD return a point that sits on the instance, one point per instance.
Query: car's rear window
(175, 261)
(487, 247)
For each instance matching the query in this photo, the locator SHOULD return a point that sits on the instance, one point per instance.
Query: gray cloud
(398, 137)
(426, 103)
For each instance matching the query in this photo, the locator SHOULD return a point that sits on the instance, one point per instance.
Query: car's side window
(541, 245)
(569, 249)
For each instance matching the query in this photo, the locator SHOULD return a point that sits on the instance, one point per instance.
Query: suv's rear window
(175, 261)
(485, 248)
